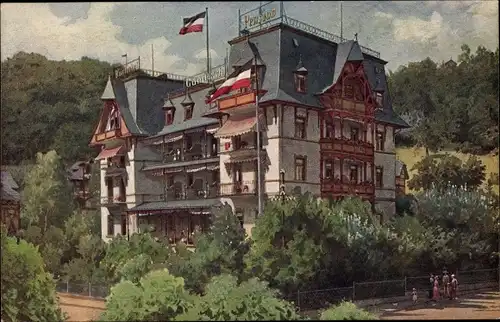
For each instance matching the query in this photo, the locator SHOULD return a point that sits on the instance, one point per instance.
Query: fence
(317, 299)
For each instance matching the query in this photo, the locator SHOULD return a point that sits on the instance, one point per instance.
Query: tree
(346, 311)
(442, 171)
(28, 291)
(85, 267)
(220, 250)
(251, 300)
(468, 219)
(159, 296)
(46, 198)
(51, 246)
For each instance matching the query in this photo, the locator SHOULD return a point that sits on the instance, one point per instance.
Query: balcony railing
(238, 188)
(193, 193)
(348, 188)
(347, 146)
(113, 200)
(108, 135)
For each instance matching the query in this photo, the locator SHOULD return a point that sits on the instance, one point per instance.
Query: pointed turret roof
(300, 66)
(109, 93)
(187, 100)
(168, 104)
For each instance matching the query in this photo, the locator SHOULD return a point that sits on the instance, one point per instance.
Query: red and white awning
(109, 153)
(239, 125)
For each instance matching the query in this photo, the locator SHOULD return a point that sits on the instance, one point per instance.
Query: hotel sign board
(261, 17)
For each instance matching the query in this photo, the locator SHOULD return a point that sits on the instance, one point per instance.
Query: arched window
(113, 122)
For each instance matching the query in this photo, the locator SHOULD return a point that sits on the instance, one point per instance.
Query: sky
(402, 31)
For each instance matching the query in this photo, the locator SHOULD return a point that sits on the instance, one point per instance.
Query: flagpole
(208, 46)
(152, 60)
(257, 117)
(341, 22)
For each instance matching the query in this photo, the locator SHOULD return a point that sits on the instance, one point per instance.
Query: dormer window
(379, 98)
(188, 112)
(113, 122)
(300, 77)
(169, 109)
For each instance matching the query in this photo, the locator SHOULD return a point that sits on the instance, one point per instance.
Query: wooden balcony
(107, 135)
(111, 201)
(193, 193)
(238, 188)
(362, 188)
(237, 99)
(343, 145)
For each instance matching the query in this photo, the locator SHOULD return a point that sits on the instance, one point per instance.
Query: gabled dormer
(188, 105)
(169, 110)
(300, 77)
(111, 123)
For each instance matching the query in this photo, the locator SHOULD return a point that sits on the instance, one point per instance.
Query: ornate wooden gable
(111, 124)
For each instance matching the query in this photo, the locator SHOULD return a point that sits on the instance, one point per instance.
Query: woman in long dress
(435, 291)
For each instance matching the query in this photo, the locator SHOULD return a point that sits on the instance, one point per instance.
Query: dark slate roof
(76, 171)
(9, 187)
(120, 94)
(177, 204)
(197, 120)
(389, 116)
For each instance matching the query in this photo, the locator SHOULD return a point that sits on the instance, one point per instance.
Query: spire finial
(356, 36)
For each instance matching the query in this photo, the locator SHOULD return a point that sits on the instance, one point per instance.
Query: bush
(346, 311)
(28, 291)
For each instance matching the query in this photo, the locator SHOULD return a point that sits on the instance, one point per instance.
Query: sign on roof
(261, 17)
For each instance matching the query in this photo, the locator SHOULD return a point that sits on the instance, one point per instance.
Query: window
(122, 190)
(380, 141)
(300, 83)
(379, 98)
(238, 174)
(122, 162)
(300, 127)
(215, 146)
(188, 142)
(348, 91)
(328, 169)
(300, 168)
(330, 131)
(354, 174)
(169, 117)
(215, 176)
(113, 122)
(124, 225)
(237, 142)
(188, 112)
(190, 179)
(378, 176)
(354, 134)
(170, 181)
(111, 226)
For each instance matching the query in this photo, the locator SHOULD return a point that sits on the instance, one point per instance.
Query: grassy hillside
(410, 156)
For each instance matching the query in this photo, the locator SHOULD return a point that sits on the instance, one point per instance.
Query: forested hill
(452, 105)
(55, 104)
(49, 105)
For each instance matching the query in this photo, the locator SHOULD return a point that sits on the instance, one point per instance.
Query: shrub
(346, 311)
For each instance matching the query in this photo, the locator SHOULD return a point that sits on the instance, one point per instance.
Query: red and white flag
(241, 80)
(193, 24)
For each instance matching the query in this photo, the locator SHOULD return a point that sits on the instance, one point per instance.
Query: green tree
(85, 266)
(46, 199)
(251, 300)
(28, 291)
(442, 171)
(159, 296)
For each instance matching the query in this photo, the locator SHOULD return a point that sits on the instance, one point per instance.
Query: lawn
(410, 156)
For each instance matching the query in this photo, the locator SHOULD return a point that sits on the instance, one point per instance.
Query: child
(414, 296)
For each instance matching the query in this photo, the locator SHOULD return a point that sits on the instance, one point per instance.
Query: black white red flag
(235, 81)
(193, 24)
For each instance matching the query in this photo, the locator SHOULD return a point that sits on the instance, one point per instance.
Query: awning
(157, 142)
(171, 206)
(173, 138)
(238, 125)
(173, 170)
(109, 153)
(212, 130)
(244, 156)
(196, 169)
(213, 167)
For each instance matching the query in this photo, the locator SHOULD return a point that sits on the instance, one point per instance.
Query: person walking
(446, 285)
(435, 291)
(431, 283)
(454, 287)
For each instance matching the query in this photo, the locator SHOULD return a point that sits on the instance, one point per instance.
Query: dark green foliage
(49, 105)
(28, 291)
(226, 300)
(442, 171)
(220, 250)
(450, 105)
(346, 311)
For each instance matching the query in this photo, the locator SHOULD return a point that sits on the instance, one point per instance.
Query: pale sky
(401, 31)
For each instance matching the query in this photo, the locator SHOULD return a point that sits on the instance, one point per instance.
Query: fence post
(353, 291)
(90, 290)
(298, 299)
(67, 286)
(406, 287)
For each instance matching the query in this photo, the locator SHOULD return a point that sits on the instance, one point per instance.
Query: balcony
(107, 135)
(344, 145)
(111, 201)
(348, 188)
(238, 188)
(237, 99)
(193, 193)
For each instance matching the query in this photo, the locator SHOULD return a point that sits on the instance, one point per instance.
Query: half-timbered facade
(324, 121)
